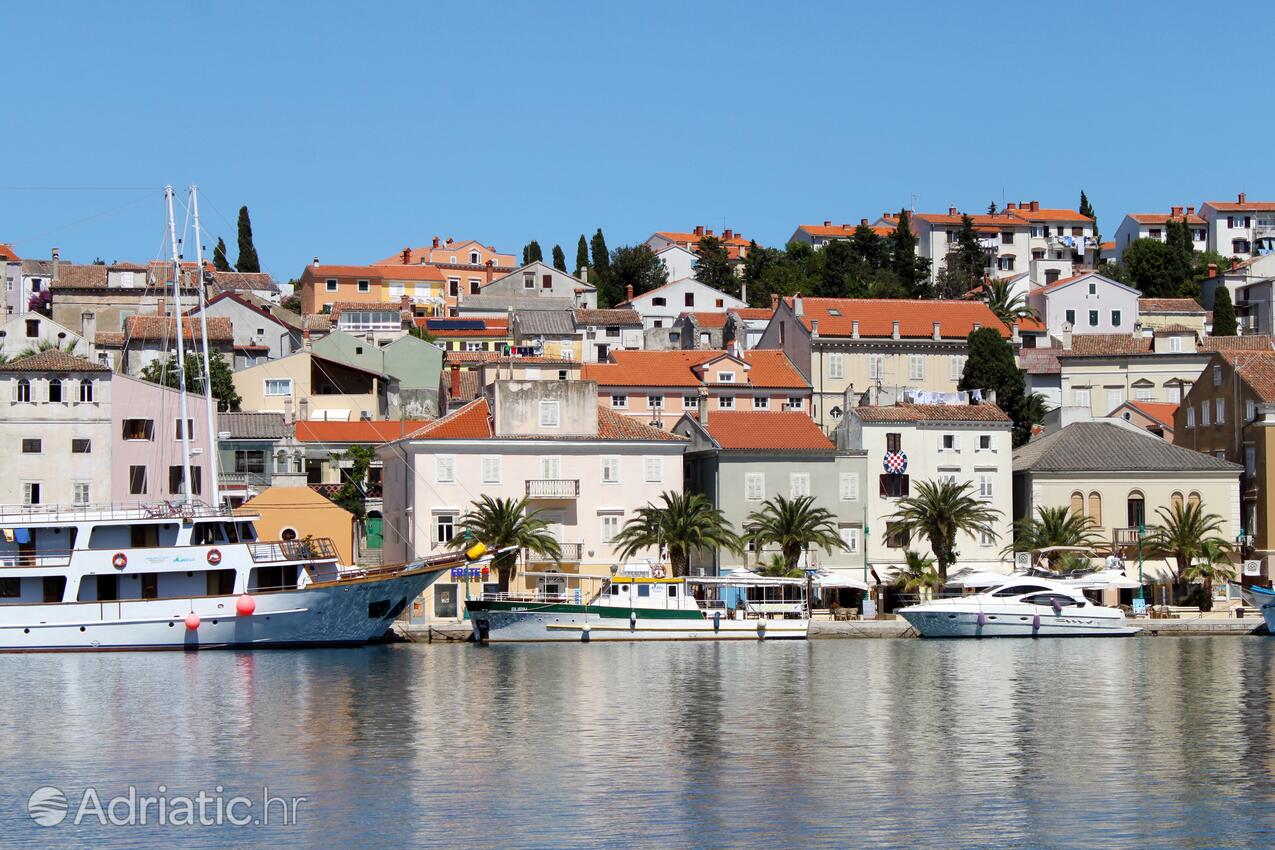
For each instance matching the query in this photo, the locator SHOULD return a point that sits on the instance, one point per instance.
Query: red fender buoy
(245, 605)
(192, 621)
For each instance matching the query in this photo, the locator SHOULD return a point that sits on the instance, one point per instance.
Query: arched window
(1095, 507)
(86, 390)
(1137, 513)
(1078, 503)
(473, 258)
(24, 390)
(1176, 499)
(1193, 500)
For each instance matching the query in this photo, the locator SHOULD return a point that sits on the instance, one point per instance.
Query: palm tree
(794, 525)
(1180, 534)
(778, 568)
(43, 345)
(505, 524)
(939, 510)
(918, 574)
(1007, 306)
(684, 522)
(1053, 527)
(1211, 564)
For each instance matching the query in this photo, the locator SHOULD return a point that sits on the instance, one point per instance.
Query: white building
(30, 330)
(819, 235)
(1240, 228)
(679, 263)
(659, 307)
(968, 443)
(1154, 226)
(1086, 304)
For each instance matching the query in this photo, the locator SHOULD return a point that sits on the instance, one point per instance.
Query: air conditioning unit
(1022, 560)
(592, 329)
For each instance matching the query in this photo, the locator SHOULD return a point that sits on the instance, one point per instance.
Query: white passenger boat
(1022, 606)
(185, 577)
(646, 607)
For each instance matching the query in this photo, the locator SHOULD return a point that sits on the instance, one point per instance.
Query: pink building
(659, 386)
(146, 445)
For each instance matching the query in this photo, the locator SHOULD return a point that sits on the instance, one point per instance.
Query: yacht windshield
(1019, 590)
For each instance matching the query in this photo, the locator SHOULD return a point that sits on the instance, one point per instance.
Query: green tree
(1180, 534)
(1053, 527)
(422, 333)
(1007, 306)
(248, 261)
(991, 208)
(352, 494)
(559, 259)
(582, 255)
(682, 524)
(917, 574)
(1212, 564)
(220, 263)
(1147, 265)
(940, 510)
(794, 525)
(912, 271)
(1224, 323)
(531, 253)
(505, 527)
(600, 270)
(223, 383)
(990, 366)
(636, 266)
(291, 302)
(1181, 253)
(712, 265)
(966, 263)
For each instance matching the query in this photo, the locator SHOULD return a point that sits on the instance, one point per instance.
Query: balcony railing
(553, 488)
(309, 549)
(571, 554)
(1121, 537)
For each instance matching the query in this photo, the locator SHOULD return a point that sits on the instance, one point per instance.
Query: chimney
(584, 274)
(628, 292)
(305, 339)
(1010, 205)
(289, 416)
(951, 210)
(56, 255)
(743, 291)
(827, 223)
(863, 222)
(405, 302)
(699, 230)
(1235, 263)
(454, 390)
(728, 234)
(491, 269)
(894, 329)
(774, 301)
(978, 325)
(814, 327)
(450, 240)
(937, 334)
(406, 256)
(305, 409)
(315, 262)
(1243, 198)
(1212, 269)
(854, 328)
(435, 245)
(1175, 212)
(88, 329)
(1066, 336)
(1035, 206)
(1013, 332)
(798, 309)
(701, 406)
(1190, 210)
(989, 397)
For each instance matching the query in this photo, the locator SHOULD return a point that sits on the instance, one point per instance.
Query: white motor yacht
(1022, 606)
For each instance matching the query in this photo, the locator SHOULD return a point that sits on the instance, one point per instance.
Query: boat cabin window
(283, 577)
(672, 591)
(33, 589)
(206, 533)
(165, 585)
(220, 582)
(1019, 590)
(54, 588)
(10, 588)
(1049, 599)
(644, 590)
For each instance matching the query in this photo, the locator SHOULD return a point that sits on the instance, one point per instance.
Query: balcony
(553, 488)
(1128, 537)
(571, 554)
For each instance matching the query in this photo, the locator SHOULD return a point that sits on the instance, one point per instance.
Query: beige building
(1159, 313)
(891, 344)
(311, 387)
(295, 513)
(1120, 476)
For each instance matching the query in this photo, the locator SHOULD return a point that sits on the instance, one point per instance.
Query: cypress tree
(248, 261)
(582, 254)
(1224, 322)
(911, 270)
(991, 366)
(531, 253)
(220, 263)
(559, 259)
(598, 249)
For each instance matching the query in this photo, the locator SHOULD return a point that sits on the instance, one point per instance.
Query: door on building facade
(375, 530)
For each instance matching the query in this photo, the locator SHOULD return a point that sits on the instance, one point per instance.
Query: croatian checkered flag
(895, 463)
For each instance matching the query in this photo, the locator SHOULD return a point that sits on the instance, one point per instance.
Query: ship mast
(181, 346)
(210, 406)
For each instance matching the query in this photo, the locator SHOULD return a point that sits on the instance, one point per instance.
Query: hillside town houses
(401, 390)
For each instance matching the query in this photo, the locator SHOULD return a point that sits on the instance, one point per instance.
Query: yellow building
(295, 513)
(1154, 313)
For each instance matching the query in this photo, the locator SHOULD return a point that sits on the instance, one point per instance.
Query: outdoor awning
(1104, 579)
(828, 579)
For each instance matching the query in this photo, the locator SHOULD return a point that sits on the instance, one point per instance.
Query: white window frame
(653, 469)
(444, 469)
(1190, 417)
(761, 402)
(332, 285)
(76, 487)
(1205, 410)
(850, 536)
(551, 467)
(836, 366)
(265, 387)
(849, 486)
(550, 414)
(609, 524)
(620, 402)
(491, 469)
(876, 367)
(1220, 411)
(1082, 397)
(609, 463)
(754, 486)
(725, 402)
(986, 485)
(956, 367)
(916, 367)
(798, 484)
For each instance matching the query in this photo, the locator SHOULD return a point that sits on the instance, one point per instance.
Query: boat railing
(59, 558)
(308, 549)
(535, 598)
(18, 515)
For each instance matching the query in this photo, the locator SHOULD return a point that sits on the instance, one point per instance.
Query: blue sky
(352, 130)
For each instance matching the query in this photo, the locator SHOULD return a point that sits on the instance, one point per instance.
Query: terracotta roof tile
(842, 231)
(1160, 411)
(1088, 345)
(1256, 342)
(931, 413)
(1048, 215)
(748, 429)
(616, 426)
(53, 360)
(706, 320)
(916, 318)
(7, 253)
(767, 368)
(473, 422)
(1247, 206)
(1173, 330)
(1169, 305)
(1040, 361)
(359, 431)
(1165, 218)
(1257, 369)
(469, 358)
(608, 317)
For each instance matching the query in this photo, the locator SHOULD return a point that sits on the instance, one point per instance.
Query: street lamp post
(1142, 529)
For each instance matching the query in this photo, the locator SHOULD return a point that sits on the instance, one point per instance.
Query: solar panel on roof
(456, 324)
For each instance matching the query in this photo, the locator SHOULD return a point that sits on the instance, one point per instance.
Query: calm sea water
(1157, 742)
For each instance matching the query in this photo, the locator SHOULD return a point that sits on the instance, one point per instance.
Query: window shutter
(956, 442)
(883, 479)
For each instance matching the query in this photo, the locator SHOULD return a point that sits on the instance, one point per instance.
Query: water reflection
(1122, 743)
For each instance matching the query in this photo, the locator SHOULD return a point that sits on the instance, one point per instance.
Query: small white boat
(644, 607)
(1023, 606)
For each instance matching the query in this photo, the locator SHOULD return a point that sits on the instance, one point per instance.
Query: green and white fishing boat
(631, 606)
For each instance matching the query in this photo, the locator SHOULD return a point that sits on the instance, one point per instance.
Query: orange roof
(931, 413)
(1160, 411)
(984, 221)
(7, 253)
(707, 320)
(693, 238)
(916, 318)
(761, 429)
(1048, 215)
(360, 431)
(376, 272)
(416, 272)
(1243, 205)
(842, 230)
(1169, 305)
(767, 368)
(753, 312)
(473, 422)
(1164, 218)
(163, 327)
(1257, 370)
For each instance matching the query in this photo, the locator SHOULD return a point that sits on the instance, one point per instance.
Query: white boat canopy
(973, 578)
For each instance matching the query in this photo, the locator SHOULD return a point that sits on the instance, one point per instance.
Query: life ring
(214, 556)
(119, 561)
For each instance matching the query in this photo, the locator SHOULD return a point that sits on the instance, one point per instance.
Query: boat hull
(494, 622)
(965, 624)
(344, 613)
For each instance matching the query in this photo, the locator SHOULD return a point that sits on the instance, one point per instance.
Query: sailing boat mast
(181, 346)
(210, 403)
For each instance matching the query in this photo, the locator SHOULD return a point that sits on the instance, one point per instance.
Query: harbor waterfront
(890, 743)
